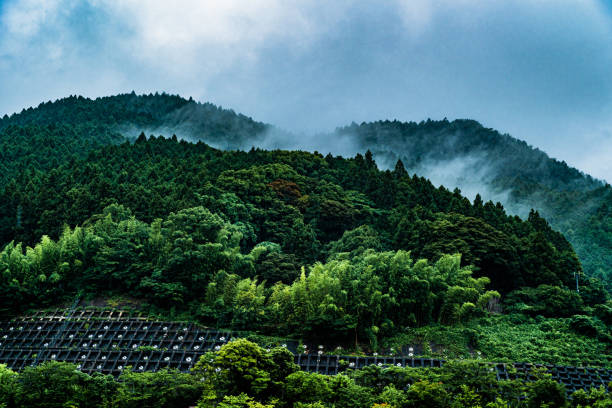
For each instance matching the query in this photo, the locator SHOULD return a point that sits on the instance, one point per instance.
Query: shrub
(545, 300)
(546, 393)
(424, 394)
(584, 325)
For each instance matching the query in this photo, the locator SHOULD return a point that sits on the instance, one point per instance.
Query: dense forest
(169, 218)
(284, 243)
(464, 153)
(460, 153)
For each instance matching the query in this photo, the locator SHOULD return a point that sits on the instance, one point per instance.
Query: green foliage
(546, 393)
(44, 147)
(545, 300)
(604, 312)
(424, 394)
(573, 202)
(327, 249)
(8, 382)
(161, 389)
(595, 397)
(374, 294)
(239, 367)
(392, 397)
(356, 242)
(300, 201)
(508, 338)
(70, 128)
(239, 401)
(193, 259)
(307, 387)
(168, 262)
(55, 384)
(244, 375)
(586, 325)
(242, 367)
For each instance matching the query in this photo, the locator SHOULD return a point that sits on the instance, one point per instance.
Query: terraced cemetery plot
(105, 341)
(329, 364)
(110, 341)
(573, 378)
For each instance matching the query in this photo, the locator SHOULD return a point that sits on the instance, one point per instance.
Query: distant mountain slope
(156, 113)
(43, 147)
(465, 154)
(41, 138)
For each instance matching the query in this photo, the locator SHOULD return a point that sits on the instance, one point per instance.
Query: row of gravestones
(81, 314)
(110, 335)
(50, 331)
(109, 346)
(572, 377)
(115, 362)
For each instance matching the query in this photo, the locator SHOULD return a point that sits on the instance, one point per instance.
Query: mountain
(476, 159)
(130, 114)
(461, 153)
(340, 251)
(330, 246)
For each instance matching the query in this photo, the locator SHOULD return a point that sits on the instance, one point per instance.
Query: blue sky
(539, 70)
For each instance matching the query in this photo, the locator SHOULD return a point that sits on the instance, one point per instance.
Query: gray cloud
(537, 70)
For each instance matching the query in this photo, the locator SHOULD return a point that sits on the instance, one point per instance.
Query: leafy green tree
(161, 389)
(8, 383)
(595, 397)
(424, 394)
(393, 397)
(467, 398)
(545, 300)
(356, 241)
(55, 384)
(248, 304)
(346, 394)
(272, 265)
(546, 393)
(307, 387)
(240, 366)
(239, 401)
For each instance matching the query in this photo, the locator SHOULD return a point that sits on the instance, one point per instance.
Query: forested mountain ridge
(312, 199)
(459, 153)
(226, 235)
(439, 140)
(463, 153)
(157, 113)
(284, 243)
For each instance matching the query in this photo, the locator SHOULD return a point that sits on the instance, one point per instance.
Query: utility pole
(577, 288)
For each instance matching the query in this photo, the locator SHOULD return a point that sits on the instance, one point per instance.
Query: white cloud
(212, 35)
(25, 18)
(593, 152)
(34, 29)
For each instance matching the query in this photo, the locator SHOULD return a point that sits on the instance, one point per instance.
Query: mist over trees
(250, 239)
(463, 153)
(460, 153)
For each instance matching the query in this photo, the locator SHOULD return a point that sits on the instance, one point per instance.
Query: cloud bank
(537, 70)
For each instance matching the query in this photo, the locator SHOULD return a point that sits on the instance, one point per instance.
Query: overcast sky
(539, 70)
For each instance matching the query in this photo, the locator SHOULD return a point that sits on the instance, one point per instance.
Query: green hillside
(326, 249)
(474, 158)
(500, 167)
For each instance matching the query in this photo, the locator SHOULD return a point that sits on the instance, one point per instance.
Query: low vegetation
(244, 375)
